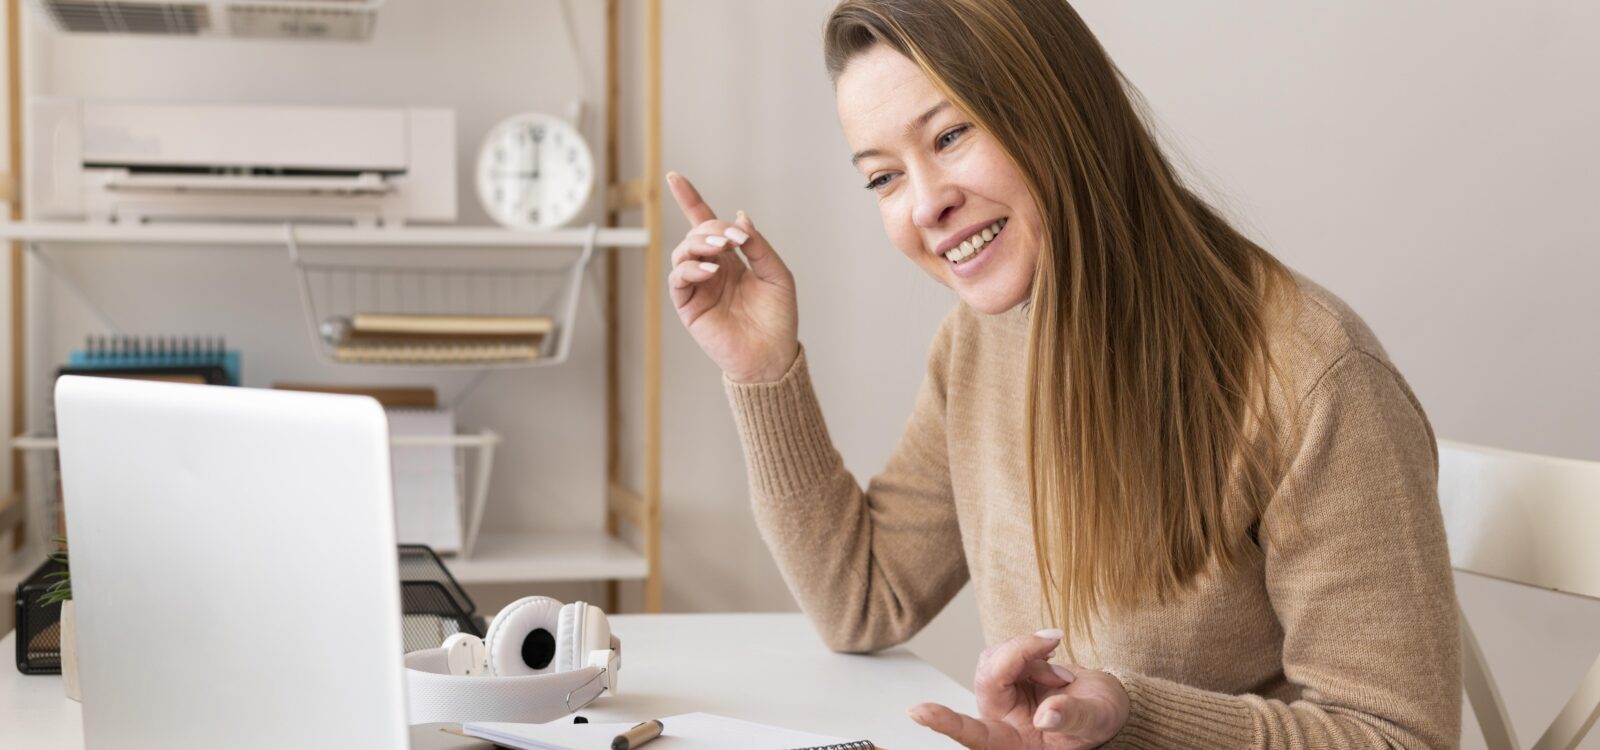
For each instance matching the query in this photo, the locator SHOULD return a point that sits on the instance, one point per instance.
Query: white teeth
(975, 243)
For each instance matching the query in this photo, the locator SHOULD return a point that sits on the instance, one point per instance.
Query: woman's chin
(992, 299)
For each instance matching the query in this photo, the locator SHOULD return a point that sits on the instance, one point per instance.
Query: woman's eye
(878, 182)
(949, 136)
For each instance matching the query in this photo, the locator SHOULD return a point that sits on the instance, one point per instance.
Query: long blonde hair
(1149, 366)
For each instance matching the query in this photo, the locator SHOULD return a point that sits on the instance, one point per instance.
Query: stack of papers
(698, 731)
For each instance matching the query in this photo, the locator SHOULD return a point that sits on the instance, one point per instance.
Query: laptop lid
(234, 567)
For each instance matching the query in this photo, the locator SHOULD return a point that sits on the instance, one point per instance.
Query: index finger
(689, 201)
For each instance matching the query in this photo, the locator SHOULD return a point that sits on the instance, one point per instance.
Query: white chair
(1531, 520)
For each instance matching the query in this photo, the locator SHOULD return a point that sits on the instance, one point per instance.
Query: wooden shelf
(550, 555)
(502, 556)
(275, 235)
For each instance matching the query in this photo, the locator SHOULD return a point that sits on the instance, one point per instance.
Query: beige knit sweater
(1341, 636)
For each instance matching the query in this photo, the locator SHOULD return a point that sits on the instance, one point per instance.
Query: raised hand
(745, 319)
(1025, 702)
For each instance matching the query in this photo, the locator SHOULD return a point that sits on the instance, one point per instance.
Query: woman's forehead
(879, 95)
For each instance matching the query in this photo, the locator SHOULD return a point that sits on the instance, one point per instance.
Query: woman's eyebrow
(911, 128)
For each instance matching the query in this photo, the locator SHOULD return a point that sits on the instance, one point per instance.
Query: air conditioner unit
(104, 161)
(350, 20)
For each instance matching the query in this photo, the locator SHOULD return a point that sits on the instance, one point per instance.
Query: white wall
(1433, 165)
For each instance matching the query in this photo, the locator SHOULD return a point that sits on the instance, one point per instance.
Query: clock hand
(538, 145)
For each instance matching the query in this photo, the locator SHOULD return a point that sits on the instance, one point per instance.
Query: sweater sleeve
(870, 568)
(1359, 577)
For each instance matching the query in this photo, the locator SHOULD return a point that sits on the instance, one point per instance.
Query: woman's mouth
(972, 246)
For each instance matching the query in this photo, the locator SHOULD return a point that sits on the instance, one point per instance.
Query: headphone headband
(437, 695)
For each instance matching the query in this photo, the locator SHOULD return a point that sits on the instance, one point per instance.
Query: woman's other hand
(745, 319)
(1026, 702)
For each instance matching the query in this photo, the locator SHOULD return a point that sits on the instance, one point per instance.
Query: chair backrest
(1532, 520)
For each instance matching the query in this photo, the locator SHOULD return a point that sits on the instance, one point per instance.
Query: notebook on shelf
(433, 339)
(179, 358)
(697, 731)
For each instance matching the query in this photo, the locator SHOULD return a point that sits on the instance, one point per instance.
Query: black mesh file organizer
(433, 607)
(38, 624)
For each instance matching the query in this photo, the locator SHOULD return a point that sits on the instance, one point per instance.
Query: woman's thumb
(1065, 714)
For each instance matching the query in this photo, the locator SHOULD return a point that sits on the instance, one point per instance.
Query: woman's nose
(936, 199)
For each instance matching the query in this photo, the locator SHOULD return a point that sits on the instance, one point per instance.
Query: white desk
(766, 668)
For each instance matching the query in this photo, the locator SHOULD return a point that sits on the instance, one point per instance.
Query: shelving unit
(500, 557)
(273, 236)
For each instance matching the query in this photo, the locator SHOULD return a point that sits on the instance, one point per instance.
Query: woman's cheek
(897, 224)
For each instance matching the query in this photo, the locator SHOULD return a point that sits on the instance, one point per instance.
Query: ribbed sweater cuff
(1163, 715)
(786, 443)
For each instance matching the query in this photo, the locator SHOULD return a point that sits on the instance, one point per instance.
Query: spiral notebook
(698, 731)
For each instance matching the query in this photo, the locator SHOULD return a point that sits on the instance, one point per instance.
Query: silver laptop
(233, 562)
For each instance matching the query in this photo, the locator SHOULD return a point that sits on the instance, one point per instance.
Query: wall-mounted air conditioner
(98, 160)
(351, 20)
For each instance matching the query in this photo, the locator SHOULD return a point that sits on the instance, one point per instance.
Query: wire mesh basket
(339, 283)
(474, 464)
(433, 604)
(38, 624)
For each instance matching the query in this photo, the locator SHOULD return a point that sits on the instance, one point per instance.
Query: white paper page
(699, 731)
(426, 509)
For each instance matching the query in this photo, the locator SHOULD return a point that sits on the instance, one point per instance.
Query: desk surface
(769, 668)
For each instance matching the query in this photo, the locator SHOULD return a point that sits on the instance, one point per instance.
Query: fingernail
(737, 235)
(671, 176)
(1054, 634)
(1063, 672)
(915, 712)
(708, 266)
(716, 240)
(1050, 720)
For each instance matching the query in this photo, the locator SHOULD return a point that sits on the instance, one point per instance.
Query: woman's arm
(870, 568)
(1359, 575)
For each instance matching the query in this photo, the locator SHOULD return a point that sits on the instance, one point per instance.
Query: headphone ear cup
(523, 639)
(582, 628)
(566, 635)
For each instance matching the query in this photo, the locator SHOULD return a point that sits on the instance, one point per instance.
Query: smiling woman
(1159, 454)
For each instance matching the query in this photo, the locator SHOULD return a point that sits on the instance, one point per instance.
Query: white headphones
(540, 660)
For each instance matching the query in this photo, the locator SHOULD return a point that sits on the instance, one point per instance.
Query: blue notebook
(123, 352)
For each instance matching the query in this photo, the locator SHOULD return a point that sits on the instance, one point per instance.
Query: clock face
(535, 171)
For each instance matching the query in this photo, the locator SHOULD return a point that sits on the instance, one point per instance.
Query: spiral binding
(857, 745)
(178, 347)
(119, 351)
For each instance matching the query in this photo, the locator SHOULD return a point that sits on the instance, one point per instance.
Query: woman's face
(939, 181)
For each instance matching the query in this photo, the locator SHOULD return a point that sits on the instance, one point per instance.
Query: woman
(1198, 470)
